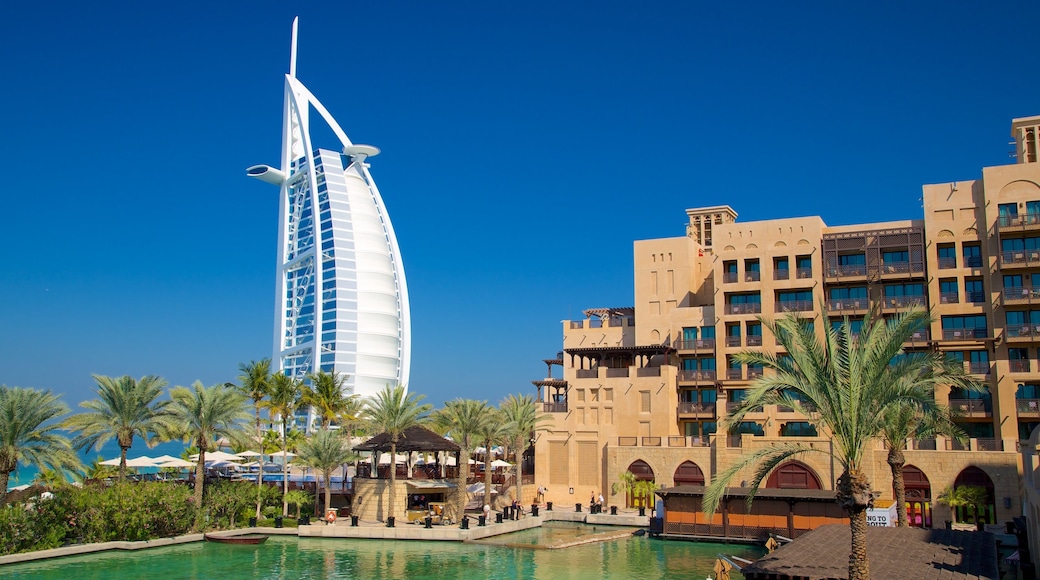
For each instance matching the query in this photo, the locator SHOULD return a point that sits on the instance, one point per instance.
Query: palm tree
(461, 419)
(325, 396)
(350, 418)
(284, 399)
(325, 451)
(124, 408)
(201, 415)
(626, 483)
(391, 411)
(255, 383)
(904, 421)
(29, 435)
(523, 421)
(492, 432)
(844, 385)
(972, 496)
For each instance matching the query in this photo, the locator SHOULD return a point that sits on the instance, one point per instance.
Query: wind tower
(341, 302)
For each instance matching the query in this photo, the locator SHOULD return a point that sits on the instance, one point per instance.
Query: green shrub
(129, 511)
(40, 527)
(233, 500)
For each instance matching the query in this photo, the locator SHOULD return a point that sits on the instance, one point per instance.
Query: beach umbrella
(165, 458)
(249, 454)
(176, 463)
(217, 456)
(499, 463)
(142, 461)
(283, 454)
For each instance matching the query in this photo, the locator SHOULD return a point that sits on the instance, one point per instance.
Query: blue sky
(525, 146)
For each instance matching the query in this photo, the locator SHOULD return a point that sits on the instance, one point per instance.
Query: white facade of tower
(341, 299)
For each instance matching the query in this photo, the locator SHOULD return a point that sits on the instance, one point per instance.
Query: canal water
(287, 557)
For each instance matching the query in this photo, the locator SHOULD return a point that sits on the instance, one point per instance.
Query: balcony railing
(754, 340)
(900, 268)
(947, 263)
(903, 301)
(924, 444)
(650, 441)
(964, 333)
(696, 376)
(734, 405)
(754, 372)
(617, 373)
(1028, 407)
(781, 274)
(949, 298)
(733, 341)
(688, 441)
(971, 407)
(1024, 221)
(1024, 332)
(840, 304)
(1020, 259)
(555, 407)
(1021, 294)
(699, 344)
(978, 368)
(803, 273)
(696, 409)
(975, 297)
(734, 374)
(972, 261)
(847, 270)
(729, 277)
(956, 445)
(794, 306)
(648, 372)
(733, 441)
(587, 373)
(628, 441)
(746, 308)
(1019, 366)
(919, 336)
(752, 276)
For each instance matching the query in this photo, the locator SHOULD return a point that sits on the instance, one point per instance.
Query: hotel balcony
(977, 368)
(1024, 259)
(696, 411)
(696, 377)
(809, 407)
(754, 340)
(918, 338)
(752, 276)
(754, 373)
(671, 441)
(747, 308)
(732, 341)
(1021, 295)
(735, 374)
(794, 306)
(949, 298)
(1018, 223)
(1029, 408)
(803, 273)
(964, 333)
(555, 407)
(781, 274)
(734, 405)
(1024, 333)
(1019, 366)
(729, 277)
(980, 444)
(689, 441)
(971, 408)
(947, 263)
(902, 268)
(699, 345)
(902, 302)
(847, 271)
(848, 304)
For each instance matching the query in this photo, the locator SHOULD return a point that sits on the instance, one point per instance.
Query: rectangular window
(947, 256)
(972, 254)
(961, 327)
(1007, 212)
(781, 268)
(729, 271)
(798, 429)
(752, 270)
(803, 267)
(973, 291)
(948, 291)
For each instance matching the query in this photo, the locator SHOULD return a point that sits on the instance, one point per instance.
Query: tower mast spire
(292, 53)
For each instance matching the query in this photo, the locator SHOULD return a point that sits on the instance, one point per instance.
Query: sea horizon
(26, 474)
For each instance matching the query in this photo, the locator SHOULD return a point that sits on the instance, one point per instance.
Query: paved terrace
(364, 530)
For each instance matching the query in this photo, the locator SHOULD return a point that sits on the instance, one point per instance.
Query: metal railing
(781, 274)
(729, 277)
(1019, 366)
(696, 376)
(614, 373)
(949, 298)
(903, 301)
(1018, 221)
(648, 372)
(745, 308)
(839, 304)
(978, 368)
(803, 273)
(919, 336)
(794, 306)
(733, 441)
(971, 407)
(754, 340)
(964, 333)
(989, 445)
(650, 441)
(689, 408)
(754, 372)
(587, 373)
(752, 276)
(1020, 258)
(555, 407)
(847, 270)
(1028, 407)
(628, 441)
(733, 341)
(947, 263)
(1016, 294)
(924, 444)
(956, 445)
(698, 344)
(734, 374)
(1028, 332)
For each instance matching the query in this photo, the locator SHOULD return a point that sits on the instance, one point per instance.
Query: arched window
(918, 497)
(641, 470)
(972, 475)
(688, 473)
(793, 475)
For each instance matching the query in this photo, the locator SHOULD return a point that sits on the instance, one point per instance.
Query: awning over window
(430, 485)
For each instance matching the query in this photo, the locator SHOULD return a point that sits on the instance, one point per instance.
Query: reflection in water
(314, 558)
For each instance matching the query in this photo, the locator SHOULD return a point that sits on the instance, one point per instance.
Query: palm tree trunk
(393, 476)
(260, 472)
(285, 467)
(462, 495)
(896, 461)
(854, 495)
(200, 480)
(122, 462)
(5, 477)
(328, 490)
(487, 472)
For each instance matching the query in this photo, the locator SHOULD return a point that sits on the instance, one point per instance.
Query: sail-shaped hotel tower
(341, 303)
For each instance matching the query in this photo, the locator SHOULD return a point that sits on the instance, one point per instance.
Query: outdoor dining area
(219, 465)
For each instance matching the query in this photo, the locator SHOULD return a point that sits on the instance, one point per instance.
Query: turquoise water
(23, 474)
(314, 558)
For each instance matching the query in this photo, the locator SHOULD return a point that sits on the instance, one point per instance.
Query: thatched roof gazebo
(418, 439)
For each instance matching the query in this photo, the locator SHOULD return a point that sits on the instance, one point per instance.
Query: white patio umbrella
(283, 454)
(165, 458)
(250, 454)
(217, 456)
(500, 463)
(176, 463)
(142, 461)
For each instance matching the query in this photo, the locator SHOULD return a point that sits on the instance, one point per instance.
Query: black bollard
(548, 506)
(465, 523)
(577, 507)
(613, 510)
(481, 521)
(278, 521)
(429, 522)
(353, 521)
(534, 510)
(252, 522)
(390, 521)
(498, 517)
(506, 511)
